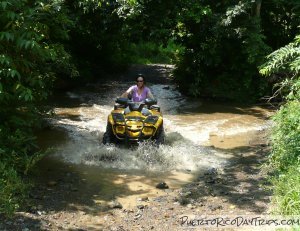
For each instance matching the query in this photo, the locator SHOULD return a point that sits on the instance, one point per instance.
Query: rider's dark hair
(140, 75)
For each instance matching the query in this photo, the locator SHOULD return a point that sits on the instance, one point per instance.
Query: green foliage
(97, 42)
(286, 136)
(224, 46)
(13, 190)
(280, 21)
(29, 59)
(287, 191)
(283, 64)
(151, 20)
(285, 59)
(149, 53)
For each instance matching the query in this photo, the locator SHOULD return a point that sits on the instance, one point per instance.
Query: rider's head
(140, 80)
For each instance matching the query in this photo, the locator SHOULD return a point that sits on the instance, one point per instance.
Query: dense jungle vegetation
(218, 47)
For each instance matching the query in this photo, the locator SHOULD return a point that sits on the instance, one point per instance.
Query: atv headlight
(118, 117)
(120, 129)
(148, 130)
(151, 119)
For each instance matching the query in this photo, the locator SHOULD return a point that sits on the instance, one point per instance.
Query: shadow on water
(194, 107)
(90, 189)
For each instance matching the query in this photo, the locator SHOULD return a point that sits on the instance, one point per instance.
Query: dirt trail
(235, 190)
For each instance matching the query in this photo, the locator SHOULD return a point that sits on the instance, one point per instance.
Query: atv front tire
(160, 136)
(108, 136)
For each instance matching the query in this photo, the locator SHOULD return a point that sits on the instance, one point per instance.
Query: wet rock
(115, 205)
(187, 194)
(184, 201)
(167, 215)
(214, 207)
(128, 211)
(161, 199)
(162, 185)
(166, 88)
(143, 199)
(210, 180)
(137, 216)
(140, 206)
(211, 171)
(191, 206)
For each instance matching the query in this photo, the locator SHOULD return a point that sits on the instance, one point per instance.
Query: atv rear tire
(160, 136)
(108, 136)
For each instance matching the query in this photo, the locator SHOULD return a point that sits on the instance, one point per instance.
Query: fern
(285, 59)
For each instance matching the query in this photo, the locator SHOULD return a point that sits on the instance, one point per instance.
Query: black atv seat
(141, 109)
(136, 106)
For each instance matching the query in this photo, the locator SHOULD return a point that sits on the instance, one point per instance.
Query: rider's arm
(149, 94)
(126, 93)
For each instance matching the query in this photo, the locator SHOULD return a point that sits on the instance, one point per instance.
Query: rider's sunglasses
(140, 80)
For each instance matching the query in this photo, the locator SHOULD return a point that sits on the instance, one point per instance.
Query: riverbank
(210, 164)
(237, 189)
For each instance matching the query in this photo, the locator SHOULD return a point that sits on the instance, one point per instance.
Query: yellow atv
(134, 121)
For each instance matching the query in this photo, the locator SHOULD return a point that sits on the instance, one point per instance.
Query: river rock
(184, 201)
(210, 180)
(143, 199)
(190, 206)
(215, 207)
(116, 205)
(140, 206)
(211, 171)
(186, 194)
(137, 216)
(162, 185)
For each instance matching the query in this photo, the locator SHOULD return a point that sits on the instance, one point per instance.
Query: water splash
(186, 132)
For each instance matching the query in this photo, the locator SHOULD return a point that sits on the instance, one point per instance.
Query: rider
(138, 92)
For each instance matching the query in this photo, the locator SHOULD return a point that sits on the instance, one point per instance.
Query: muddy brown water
(199, 136)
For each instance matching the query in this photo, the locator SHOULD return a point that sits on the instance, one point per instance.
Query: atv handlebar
(147, 101)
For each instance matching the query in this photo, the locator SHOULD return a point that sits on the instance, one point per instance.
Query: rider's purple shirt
(135, 95)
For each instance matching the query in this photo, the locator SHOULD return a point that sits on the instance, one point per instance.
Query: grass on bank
(284, 159)
(150, 53)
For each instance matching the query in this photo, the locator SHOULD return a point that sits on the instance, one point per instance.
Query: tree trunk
(258, 7)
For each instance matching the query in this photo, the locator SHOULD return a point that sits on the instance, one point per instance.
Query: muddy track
(154, 73)
(57, 203)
